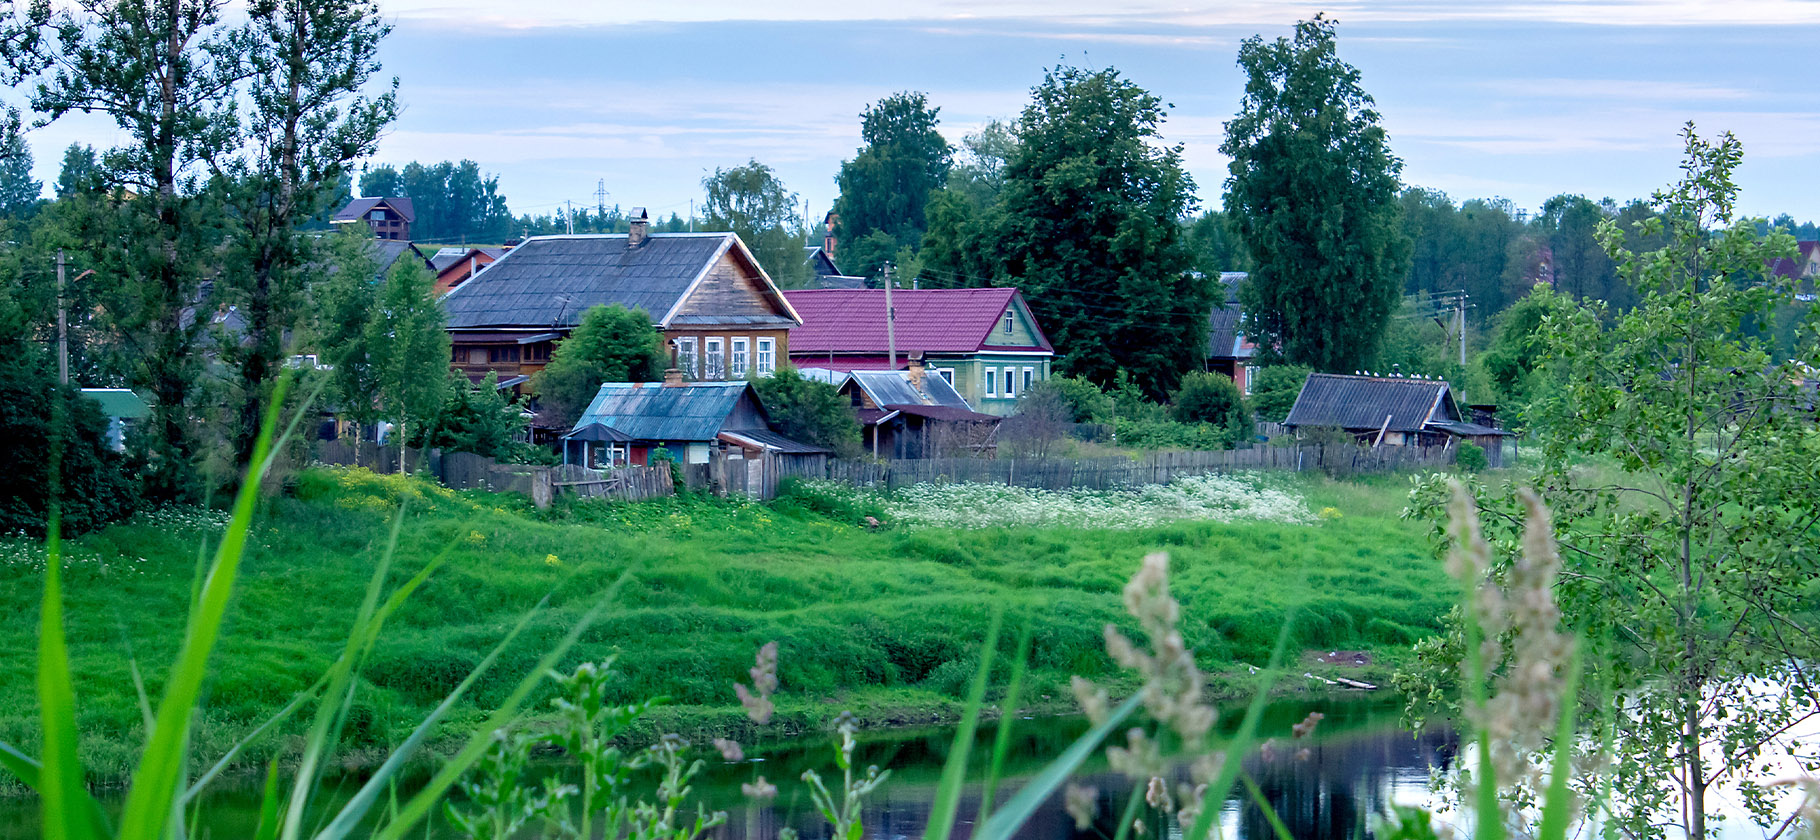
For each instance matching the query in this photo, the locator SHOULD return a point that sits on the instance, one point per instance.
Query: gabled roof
(118, 402)
(654, 411)
(1224, 340)
(1363, 402)
(820, 263)
(445, 257)
(386, 253)
(892, 388)
(928, 320)
(552, 280)
(359, 207)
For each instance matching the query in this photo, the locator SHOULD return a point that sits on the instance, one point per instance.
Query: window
(991, 382)
(714, 359)
(947, 374)
(1009, 321)
(685, 356)
(477, 355)
(740, 351)
(1250, 371)
(1029, 378)
(767, 356)
(539, 352)
(1010, 382)
(498, 355)
(378, 214)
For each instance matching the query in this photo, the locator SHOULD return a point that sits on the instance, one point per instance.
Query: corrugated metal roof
(774, 442)
(653, 411)
(930, 320)
(1362, 402)
(893, 388)
(118, 402)
(552, 280)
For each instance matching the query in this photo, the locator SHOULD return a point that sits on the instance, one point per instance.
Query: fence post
(542, 488)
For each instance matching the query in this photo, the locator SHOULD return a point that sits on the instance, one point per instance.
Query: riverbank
(883, 622)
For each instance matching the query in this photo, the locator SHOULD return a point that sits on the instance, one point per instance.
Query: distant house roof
(386, 253)
(1366, 403)
(357, 209)
(892, 388)
(1224, 339)
(445, 257)
(118, 402)
(820, 263)
(553, 280)
(765, 439)
(653, 411)
(928, 320)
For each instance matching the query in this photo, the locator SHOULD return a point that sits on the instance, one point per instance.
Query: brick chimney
(916, 371)
(673, 378)
(641, 228)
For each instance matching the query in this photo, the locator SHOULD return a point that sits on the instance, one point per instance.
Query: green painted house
(984, 342)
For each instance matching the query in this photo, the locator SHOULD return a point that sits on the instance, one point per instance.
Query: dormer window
(1009, 321)
(378, 214)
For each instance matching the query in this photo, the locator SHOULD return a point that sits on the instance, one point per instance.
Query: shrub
(1274, 389)
(95, 488)
(809, 411)
(1085, 401)
(1471, 457)
(612, 344)
(1212, 399)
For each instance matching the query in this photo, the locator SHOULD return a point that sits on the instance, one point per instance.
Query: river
(1358, 763)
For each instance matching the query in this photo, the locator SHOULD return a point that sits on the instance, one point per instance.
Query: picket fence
(1105, 473)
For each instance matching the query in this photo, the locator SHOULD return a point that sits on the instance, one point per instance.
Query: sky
(1516, 99)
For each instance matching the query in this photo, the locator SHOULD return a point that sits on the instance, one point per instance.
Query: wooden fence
(467, 471)
(1104, 473)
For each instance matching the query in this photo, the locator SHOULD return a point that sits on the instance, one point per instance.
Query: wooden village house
(720, 313)
(1394, 411)
(1229, 352)
(696, 423)
(910, 414)
(388, 218)
(985, 343)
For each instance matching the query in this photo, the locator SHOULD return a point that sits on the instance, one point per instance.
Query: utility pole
(890, 324)
(1460, 311)
(570, 216)
(691, 215)
(63, 328)
(600, 198)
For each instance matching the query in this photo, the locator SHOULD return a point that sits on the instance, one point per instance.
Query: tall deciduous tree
(1688, 570)
(304, 124)
(409, 349)
(343, 305)
(750, 201)
(1313, 189)
(611, 344)
(20, 193)
(166, 72)
(1091, 231)
(885, 187)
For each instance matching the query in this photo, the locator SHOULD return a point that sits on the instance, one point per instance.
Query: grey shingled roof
(892, 388)
(1362, 402)
(652, 411)
(552, 280)
(1223, 324)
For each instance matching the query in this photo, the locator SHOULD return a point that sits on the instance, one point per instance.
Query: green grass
(887, 623)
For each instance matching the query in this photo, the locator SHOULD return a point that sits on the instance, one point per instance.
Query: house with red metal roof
(984, 342)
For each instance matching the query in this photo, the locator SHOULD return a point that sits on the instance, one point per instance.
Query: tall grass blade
(1240, 746)
(28, 771)
(357, 806)
(60, 786)
(268, 806)
(331, 712)
(1557, 809)
(1488, 820)
(1128, 817)
(954, 774)
(155, 781)
(1005, 821)
(1270, 814)
(1001, 742)
(424, 800)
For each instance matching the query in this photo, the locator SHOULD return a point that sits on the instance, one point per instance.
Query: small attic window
(1009, 321)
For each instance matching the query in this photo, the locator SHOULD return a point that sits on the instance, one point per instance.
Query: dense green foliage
(611, 344)
(408, 348)
(454, 202)
(94, 484)
(750, 201)
(1213, 399)
(872, 619)
(809, 411)
(1090, 231)
(20, 194)
(479, 418)
(1086, 401)
(885, 188)
(1313, 193)
(1274, 389)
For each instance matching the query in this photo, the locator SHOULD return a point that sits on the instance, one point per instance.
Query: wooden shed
(1393, 411)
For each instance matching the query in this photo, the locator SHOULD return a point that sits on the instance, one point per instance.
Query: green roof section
(119, 402)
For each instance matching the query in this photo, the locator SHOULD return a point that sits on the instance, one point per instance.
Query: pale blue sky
(1515, 99)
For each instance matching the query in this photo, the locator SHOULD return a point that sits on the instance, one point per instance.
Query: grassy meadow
(883, 622)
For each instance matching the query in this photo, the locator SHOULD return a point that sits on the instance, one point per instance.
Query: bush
(1471, 457)
(1274, 389)
(809, 411)
(1163, 433)
(1085, 401)
(476, 418)
(95, 487)
(612, 344)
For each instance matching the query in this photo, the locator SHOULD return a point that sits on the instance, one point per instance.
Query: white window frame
(736, 363)
(1010, 385)
(714, 358)
(766, 364)
(685, 356)
(990, 388)
(1010, 319)
(1029, 378)
(947, 374)
(1250, 370)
